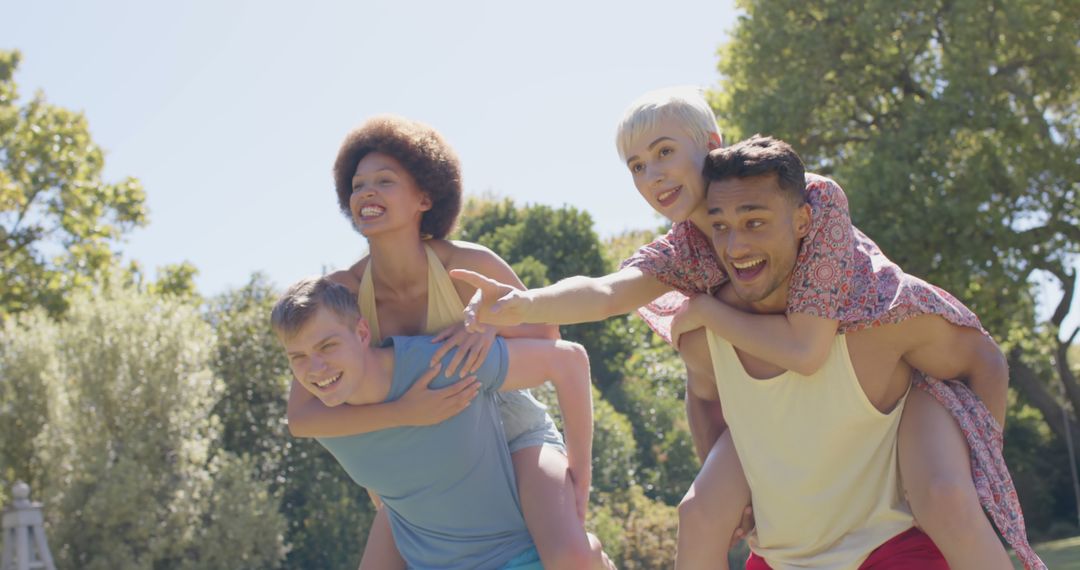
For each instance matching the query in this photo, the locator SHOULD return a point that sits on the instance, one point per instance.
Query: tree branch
(1027, 382)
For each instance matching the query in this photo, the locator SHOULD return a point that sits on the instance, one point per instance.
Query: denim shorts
(526, 422)
(527, 560)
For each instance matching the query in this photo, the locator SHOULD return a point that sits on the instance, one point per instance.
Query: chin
(331, 403)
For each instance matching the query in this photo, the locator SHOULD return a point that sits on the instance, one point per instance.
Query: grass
(1061, 554)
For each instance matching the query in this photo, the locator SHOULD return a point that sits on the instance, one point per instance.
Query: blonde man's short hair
(302, 300)
(685, 104)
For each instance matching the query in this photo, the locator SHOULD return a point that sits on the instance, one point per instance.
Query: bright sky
(230, 113)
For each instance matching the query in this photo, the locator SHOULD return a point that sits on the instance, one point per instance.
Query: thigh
(931, 447)
(721, 486)
(380, 551)
(547, 500)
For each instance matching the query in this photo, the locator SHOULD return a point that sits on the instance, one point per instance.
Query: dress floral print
(842, 275)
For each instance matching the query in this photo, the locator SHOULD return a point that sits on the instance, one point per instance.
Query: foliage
(652, 394)
(124, 449)
(636, 531)
(59, 221)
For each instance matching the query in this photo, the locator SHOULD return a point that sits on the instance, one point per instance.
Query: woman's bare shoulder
(350, 277)
(465, 255)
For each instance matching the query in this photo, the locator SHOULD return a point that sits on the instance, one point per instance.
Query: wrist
(405, 413)
(528, 307)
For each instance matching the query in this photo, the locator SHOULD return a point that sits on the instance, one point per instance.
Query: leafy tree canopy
(60, 222)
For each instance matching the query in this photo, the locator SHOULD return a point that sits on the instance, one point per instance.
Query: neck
(398, 261)
(378, 376)
(775, 303)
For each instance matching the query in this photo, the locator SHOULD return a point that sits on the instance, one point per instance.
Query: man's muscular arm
(703, 410)
(947, 351)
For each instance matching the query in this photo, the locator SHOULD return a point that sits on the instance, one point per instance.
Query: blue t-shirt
(449, 488)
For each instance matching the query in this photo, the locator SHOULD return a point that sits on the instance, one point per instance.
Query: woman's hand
(473, 348)
(421, 406)
(494, 303)
(685, 320)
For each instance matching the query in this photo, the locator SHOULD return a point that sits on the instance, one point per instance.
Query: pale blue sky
(231, 112)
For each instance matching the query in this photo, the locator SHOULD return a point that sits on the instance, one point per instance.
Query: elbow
(808, 361)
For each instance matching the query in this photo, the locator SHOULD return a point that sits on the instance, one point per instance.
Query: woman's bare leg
(712, 509)
(547, 501)
(935, 468)
(380, 552)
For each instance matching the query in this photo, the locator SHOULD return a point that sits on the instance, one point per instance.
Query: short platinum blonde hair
(686, 104)
(302, 300)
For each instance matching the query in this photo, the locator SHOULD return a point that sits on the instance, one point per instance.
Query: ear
(425, 202)
(363, 330)
(802, 217)
(715, 141)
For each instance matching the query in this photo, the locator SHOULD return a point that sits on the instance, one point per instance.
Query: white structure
(24, 534)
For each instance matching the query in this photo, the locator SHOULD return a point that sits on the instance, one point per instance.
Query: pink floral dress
(841, 274)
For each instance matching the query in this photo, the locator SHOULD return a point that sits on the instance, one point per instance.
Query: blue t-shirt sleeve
(412, 356)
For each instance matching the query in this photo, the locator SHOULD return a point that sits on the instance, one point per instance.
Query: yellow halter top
(444, 307)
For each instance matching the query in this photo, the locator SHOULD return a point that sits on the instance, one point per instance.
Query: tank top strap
(444, 305)
(366, 301)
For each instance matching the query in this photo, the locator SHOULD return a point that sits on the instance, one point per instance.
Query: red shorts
(909, 550)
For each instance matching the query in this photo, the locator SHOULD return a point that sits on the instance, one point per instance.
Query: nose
(734, 244)
(653, 172)
(364, 193)
(315, 364)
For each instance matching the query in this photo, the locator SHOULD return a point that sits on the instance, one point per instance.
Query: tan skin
(399, 272)
(751, 219)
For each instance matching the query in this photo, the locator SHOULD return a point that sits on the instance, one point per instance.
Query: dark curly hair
(421, 150)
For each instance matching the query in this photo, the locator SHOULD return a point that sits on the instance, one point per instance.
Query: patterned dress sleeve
(821, 282)
(683, 260)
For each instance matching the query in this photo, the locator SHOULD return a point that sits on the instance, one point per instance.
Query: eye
(297, 359)
(636, 167)
(719, 227)
(328, 347)
(385, 182)
(666, 150)
(357, 187)
(754, 224)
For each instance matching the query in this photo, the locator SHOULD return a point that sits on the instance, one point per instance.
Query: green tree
(124, 450)
(59, 221)
(953, 125)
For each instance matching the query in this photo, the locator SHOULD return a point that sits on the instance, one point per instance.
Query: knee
(693, 513)
(947, 503)
(573, 555)
(597, 558)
